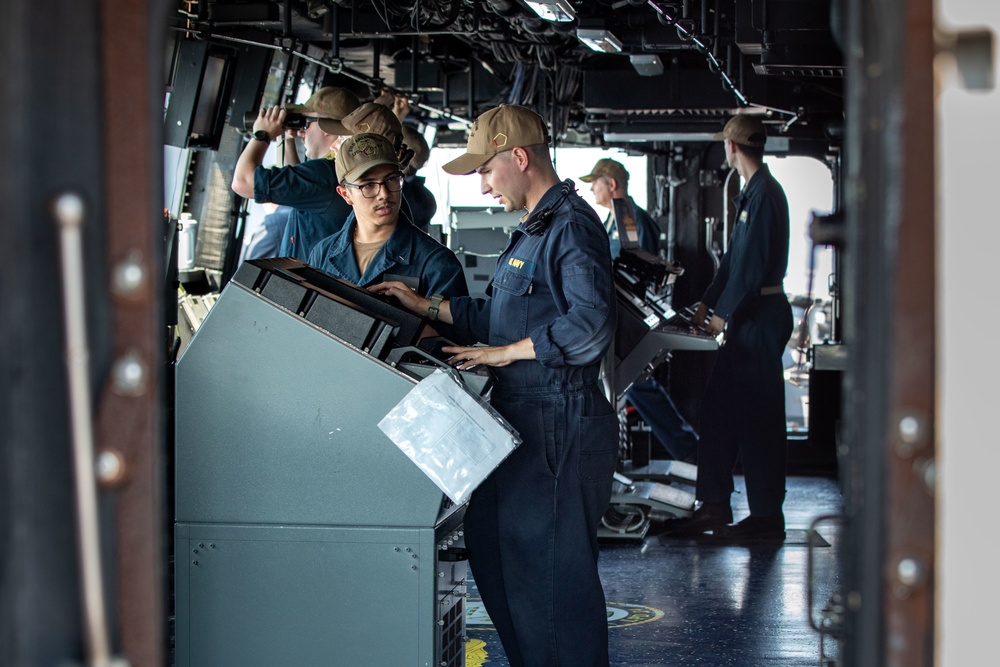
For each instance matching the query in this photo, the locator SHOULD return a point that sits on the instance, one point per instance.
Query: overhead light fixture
(647, 65)
(553, 10)
(599, 40)
(659, 136)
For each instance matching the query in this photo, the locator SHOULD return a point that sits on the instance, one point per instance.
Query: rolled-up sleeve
(583, 292)
(302, 185)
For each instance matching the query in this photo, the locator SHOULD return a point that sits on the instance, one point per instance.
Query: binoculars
(293, 121)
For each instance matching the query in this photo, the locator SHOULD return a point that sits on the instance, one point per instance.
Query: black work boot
(756, 527)
(709, 516)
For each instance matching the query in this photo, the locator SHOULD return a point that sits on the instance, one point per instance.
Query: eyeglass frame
(397, 176)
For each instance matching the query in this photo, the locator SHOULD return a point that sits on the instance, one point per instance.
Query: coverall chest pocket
(511, 290)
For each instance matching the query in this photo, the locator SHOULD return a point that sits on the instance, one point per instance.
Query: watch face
(261, 135)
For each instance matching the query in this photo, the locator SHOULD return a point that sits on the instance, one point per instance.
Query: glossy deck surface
(674, 602)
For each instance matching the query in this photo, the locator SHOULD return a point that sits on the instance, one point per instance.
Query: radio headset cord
(539, 222)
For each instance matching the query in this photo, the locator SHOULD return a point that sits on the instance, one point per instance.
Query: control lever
(625, 481)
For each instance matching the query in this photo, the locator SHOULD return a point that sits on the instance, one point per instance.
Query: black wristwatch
(435, 307)
(262, 135)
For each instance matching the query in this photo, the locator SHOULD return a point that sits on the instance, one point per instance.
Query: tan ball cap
(498, 130)
(745, 130)
(607, 167)
(331, 104)
(377, 118)
(361, 152)
(416, 142)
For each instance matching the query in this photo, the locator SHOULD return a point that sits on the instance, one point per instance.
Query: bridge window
(808, 185)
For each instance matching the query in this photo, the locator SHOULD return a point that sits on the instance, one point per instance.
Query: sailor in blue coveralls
(531, 527)
(743, 410)
(378, 243)
(308, 186)
(609, 181)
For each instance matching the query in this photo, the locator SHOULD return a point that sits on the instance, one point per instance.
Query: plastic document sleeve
(449, 434)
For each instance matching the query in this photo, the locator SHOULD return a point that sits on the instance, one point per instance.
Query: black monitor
(369, 322)
(198, 94)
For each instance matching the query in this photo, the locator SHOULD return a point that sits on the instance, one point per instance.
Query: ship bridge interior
(163, 499)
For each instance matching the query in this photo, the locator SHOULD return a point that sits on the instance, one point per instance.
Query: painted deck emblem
(620, 615)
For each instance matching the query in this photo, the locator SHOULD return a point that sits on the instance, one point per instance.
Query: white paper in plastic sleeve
(449, 434)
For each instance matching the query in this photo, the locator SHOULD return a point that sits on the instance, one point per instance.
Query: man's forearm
(288, 153)
(251, 158)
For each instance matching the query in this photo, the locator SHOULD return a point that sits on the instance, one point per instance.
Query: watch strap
(435, 308)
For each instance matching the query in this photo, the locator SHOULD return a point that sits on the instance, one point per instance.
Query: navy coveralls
(408, 252)
(653, 403)
(531, 527)
(310, 188)
(743, 409)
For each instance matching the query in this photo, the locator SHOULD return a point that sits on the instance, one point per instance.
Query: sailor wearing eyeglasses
(379, 244)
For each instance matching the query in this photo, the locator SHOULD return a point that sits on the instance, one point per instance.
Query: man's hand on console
(407, 297)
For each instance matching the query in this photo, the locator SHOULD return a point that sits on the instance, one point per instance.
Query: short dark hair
(754, 152)
(539, 151)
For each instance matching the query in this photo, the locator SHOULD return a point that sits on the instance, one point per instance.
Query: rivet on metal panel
(910, 573)
(129, 375)
(110, 468)
(926, 471)
(128, 276)
(913, 433)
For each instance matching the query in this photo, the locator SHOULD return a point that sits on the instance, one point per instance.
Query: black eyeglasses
(392, 183)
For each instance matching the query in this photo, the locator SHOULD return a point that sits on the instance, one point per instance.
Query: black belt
(771, 289)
